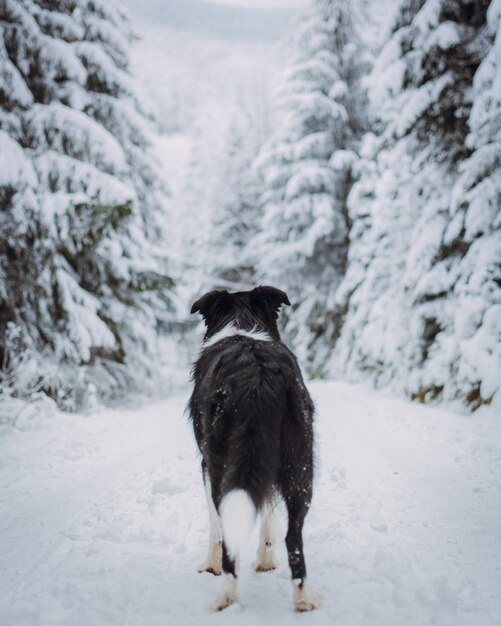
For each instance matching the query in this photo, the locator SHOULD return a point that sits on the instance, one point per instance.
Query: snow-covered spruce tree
(201, 190)
(83, 276)
(221, 192)
(236, 212)
(422, 284)
(306, 173)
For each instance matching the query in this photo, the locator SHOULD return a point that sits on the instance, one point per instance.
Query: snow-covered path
(103, 520)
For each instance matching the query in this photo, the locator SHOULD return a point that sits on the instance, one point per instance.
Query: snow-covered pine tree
(236, 212)
(471, 245)
(235, 216)
(306, 173)
(221, 193)
(422, 284)
(83, 275)
(202, 191)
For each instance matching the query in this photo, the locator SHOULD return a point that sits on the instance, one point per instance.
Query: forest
(365, 183)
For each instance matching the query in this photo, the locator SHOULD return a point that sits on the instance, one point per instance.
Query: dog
(253, 422)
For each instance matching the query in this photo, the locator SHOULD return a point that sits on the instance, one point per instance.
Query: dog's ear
(270, 298)
(208, 302)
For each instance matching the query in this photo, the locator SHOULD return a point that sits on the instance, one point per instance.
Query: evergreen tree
(236, 213)
(83, 276)
(221, 194)
(306, 169)
(420, 288)
(471, 242)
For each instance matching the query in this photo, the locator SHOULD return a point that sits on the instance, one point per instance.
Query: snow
(317, 71)
(104, 519)
(11, 81)
(389, 71)
(445, 36)
(100, 65)
(59, 25)
(58, 59)
(85, 330)
(114, 41)
(15, 167)
(57, 127)
(77, 176)
(416, 102)
(310, 179)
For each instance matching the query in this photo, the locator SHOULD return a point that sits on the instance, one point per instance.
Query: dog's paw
(213, 564)
(210, 568)
(223, 602)
(228, 594)
(303, 606)
(264, 567)
(305, 599)
(265, 563)
(266, 560)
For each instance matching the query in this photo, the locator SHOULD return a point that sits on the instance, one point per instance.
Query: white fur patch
(238, 515)
(231, 330)
(266, 558)
(216, 531)
(214, 561)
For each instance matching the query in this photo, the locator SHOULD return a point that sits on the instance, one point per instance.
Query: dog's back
(250, 405)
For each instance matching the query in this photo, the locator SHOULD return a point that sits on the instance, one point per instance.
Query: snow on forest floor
(103, 520)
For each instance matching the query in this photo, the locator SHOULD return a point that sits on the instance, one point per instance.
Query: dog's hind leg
(214, 561)
(266, 558)
(228, 592)
(236, 511)
(298, 502)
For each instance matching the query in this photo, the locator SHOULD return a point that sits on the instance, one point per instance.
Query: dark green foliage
(93, 222)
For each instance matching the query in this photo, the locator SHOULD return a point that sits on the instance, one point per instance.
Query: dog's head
(247, 310)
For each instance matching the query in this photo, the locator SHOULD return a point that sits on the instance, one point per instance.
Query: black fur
(251, 412)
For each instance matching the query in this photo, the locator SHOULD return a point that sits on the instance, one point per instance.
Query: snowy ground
(103, 520)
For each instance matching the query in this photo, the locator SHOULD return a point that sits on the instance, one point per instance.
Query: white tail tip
(238, 515)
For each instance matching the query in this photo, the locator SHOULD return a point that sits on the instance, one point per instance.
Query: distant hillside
(215, 20)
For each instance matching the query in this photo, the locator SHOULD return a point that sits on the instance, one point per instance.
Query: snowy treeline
(379, 210)
(370, 192)
(217, 193)
(84, 278)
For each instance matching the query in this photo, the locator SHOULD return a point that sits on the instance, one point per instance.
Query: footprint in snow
(164, 486)
(338, 475)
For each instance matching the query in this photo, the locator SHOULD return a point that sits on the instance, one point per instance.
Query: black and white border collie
(253, 422)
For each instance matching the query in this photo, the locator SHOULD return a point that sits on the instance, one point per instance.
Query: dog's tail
(238, 513)
(252, 461)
